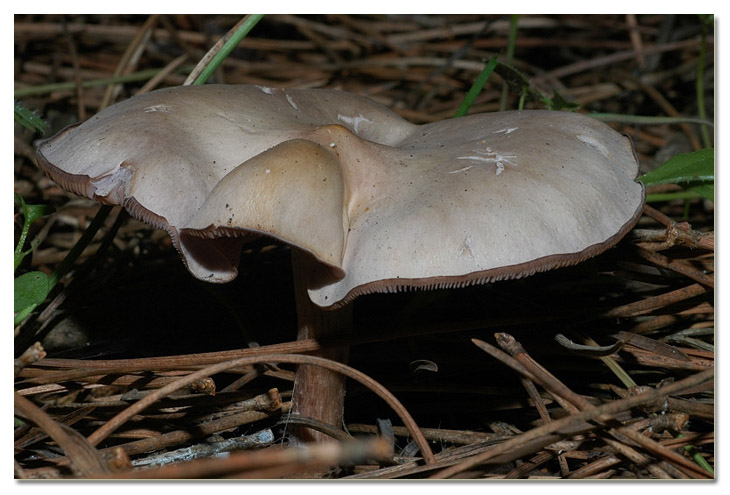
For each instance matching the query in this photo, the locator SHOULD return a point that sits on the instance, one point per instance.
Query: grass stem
(215, 57)
(476, 88)
(510, 57)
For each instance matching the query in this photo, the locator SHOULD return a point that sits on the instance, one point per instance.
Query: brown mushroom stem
(318, 392)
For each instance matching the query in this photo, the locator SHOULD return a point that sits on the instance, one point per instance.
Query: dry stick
(50, 381)
(446, 457)
(166, 71)
(177, 437)
(115, 422)
(320, 42)
(371, 33)
(203, 63)
(175, 37)
(694, 438)
(681, 232)
(178, 362)
(84, 458)
(557, 388)
(669, 109)
(532, 391)
(77, 72)
(463, 437)
(95, 375)
(36, 434)
(18, 471)
(701, 308)
(551, 383)
(678, 461)
(677, 266)
(455, 456)
(658, 216)
(130, 56)
(650, 358)
(30, 355)
(524, 468)
(527, 372)
(637, 458)
(651, 345)
(613, 59)
(595, 467)
(320, 426)
(274, 458)
(518, 472)
(556, 426)
(656, 302)
(544, 378)
(208, 449)
(334, 32)
(635, 37)
(122, 34)
(603, 476)
(242, 381)
(180, 436)
(656, 323)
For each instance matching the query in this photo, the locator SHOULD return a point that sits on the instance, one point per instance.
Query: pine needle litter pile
(128, 368)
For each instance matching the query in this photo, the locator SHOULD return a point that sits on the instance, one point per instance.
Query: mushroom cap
(381, 203)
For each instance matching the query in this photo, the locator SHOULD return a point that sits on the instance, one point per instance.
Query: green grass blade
(671, 196)
(31, 213)
(695, 172)
(81, 244)
(29, 119)
(228, 47)
(700, 89)
(476, 88)
(684, 168)
(42, 89)
(510, 56)
(22, 315)
(647, 120)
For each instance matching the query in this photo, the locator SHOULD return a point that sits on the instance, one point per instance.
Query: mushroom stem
(318, 392)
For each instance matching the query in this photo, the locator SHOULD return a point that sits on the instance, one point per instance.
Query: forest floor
(128, 320)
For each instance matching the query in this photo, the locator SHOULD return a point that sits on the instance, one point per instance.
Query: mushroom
(368, 201)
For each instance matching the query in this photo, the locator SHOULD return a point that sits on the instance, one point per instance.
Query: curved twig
(118, 420)
(313, 424)
(588, 350)
(177, 362)
(84, 458)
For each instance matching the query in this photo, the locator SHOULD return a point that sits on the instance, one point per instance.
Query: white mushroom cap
(384, 204)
